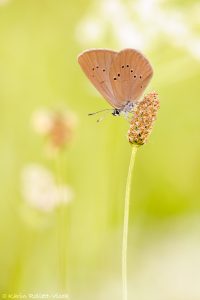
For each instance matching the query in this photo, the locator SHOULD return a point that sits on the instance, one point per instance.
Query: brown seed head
(144, 116)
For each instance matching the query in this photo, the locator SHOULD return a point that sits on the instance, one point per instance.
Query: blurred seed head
(144, 116)
(40, 190)
(62, 130)
(57, 126)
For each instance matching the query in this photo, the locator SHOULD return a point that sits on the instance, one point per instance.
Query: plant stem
(125, 229)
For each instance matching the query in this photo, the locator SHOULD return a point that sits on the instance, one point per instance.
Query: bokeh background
(39, 74)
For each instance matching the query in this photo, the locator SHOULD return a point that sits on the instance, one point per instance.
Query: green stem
(125, 229)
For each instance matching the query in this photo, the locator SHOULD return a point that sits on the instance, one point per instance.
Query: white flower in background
(3, 2)
(40, 190)
(140, 24)
(90, 29)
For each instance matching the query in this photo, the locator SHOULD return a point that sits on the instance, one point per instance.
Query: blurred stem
(62, 248)
(61, 225)
(125, 229)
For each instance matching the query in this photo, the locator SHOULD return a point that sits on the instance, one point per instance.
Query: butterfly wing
(130, 73)
(96, 65)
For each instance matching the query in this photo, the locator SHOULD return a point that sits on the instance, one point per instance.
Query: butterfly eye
(127, 66)
(103, 70)
(122, 67)
(118, 75)
(115, 78)
(131, 71)
(140, 76)
(135, 76)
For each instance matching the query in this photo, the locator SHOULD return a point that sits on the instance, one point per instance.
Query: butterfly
(120, 77)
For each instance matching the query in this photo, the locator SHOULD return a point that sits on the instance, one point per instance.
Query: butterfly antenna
(107, 109)
(104, 116)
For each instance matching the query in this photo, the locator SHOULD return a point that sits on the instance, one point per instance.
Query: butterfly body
(120, 77)
(125, 110)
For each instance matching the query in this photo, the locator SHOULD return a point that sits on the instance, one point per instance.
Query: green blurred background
(39, 44)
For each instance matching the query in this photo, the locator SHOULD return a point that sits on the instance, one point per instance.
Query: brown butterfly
(120, 77)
